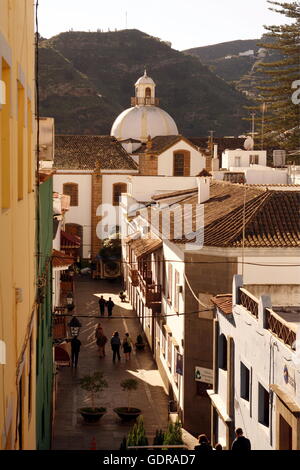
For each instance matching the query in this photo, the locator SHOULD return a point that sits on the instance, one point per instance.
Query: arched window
(71, 189)
(148, 92)
(118, 189)
(222, 355)
(181, 163)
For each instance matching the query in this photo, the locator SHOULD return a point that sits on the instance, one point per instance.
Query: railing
(142, 101)
(134, 275)
(59, 327)
(150, 292)
(248, 301)
(282, 329)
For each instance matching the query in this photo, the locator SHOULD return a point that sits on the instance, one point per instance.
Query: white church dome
(140, 121)
(144, 118)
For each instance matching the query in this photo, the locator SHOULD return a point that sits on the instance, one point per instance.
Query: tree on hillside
(278, 81)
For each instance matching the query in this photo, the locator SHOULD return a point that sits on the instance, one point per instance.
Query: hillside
(87, 79)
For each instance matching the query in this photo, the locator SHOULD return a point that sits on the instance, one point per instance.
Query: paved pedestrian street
(70, 432)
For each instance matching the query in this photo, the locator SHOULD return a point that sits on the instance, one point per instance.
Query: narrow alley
(70, 432)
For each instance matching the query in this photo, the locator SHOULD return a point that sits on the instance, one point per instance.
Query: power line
(130, 317)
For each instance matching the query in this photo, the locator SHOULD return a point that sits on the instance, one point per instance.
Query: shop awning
(68, 240)
(145, 246)
(219, 405)
(60, 260)
(133, 236)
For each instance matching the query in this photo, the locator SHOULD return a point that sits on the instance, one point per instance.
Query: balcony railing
(284, 331)
(248, 301)
(151, 292)
(134, 275)
(138, 101)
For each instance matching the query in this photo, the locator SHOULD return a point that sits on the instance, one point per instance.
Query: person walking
(204, 445)
(101, 340)
(115, 346)
(102, 303)
(110, 305)
(127, 348)
(241, 442)
(75, 349)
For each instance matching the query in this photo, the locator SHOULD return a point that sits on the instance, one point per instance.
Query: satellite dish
(249, 143)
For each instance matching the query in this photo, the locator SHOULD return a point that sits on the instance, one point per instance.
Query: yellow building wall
(17, 226)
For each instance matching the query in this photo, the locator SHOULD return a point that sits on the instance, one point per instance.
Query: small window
(71, 189)
(245, 382)
(178, 164)
(148, 92)
(222, 352)
(254, 159)
(263, 405)
(237, 161)
(118, 189)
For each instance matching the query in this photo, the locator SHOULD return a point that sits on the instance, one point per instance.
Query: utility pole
(211, 143)
(262, 125)
(253, 124)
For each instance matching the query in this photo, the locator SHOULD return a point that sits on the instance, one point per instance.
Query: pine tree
(137, 436)
(159, 437)
(173, 435)
(277, 78)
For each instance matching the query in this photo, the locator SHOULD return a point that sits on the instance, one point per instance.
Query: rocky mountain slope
(87, 78)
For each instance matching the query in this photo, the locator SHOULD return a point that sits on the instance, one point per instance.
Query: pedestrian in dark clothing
(115, 346)
(127, 342)
(102, 303)
(75, 348)
(218, 447)
(204, 445)
(240, 442)
(110, 305)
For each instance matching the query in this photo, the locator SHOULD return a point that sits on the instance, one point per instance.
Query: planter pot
(92, 415)
(140, 346)
(127, 414)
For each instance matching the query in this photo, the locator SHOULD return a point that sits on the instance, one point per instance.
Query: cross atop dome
(144, 92)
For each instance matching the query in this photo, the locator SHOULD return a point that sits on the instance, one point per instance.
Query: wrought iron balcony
(248, 301)
(284, 331)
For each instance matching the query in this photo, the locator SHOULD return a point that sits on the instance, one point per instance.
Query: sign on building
(289, 377)
(204, 375)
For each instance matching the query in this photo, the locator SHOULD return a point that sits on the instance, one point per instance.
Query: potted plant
(140, 345)
(127, 413)
(93, 384)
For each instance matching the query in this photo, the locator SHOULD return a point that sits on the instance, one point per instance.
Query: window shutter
(187, 164)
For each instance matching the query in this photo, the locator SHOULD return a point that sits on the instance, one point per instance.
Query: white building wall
(165, 159)
(265, 356)
(229, 158)
(282, 271)
(80, 214)
(142, 188)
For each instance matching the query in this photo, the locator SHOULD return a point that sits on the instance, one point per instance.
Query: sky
(185, 23)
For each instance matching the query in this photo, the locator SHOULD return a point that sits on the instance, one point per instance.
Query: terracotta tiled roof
(87, 152)
(166, 195)
(61, 260)
(69, 240)
(145, 246)
(271, 217)
(160, 143)
(223, 302)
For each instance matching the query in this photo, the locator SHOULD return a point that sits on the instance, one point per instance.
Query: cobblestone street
(70, 432)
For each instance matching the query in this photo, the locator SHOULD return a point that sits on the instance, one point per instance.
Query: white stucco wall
(266, 356)
(142, 188)
(80, 214)
(165, 159)
(276, 274)
(229, 158)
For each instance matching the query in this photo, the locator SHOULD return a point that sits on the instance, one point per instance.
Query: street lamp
(74, 326)
(70, 298)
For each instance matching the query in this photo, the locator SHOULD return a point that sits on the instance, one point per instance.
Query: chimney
(203, 183)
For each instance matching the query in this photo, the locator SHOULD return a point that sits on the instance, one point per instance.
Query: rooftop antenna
(211, 142)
